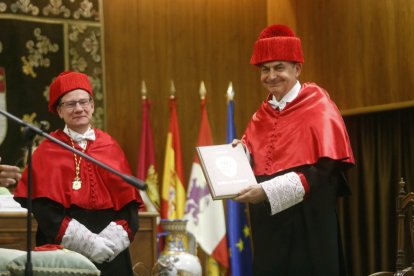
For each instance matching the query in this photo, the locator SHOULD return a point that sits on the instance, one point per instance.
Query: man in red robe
(299, 150)
(76, 203)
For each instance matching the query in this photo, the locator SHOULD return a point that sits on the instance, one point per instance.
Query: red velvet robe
(102, 198)
(309, 128)
(54, 170)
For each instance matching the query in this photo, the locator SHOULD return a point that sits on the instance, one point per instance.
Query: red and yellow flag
(173, 191)
(146, 167)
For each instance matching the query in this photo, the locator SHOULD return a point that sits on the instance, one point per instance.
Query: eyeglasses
(70, 105)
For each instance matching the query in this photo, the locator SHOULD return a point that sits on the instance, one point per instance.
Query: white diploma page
(226, 169)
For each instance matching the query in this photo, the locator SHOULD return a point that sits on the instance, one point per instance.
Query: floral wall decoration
(38, 40)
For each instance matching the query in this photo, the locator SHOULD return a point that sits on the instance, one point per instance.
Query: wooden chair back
(404, 203)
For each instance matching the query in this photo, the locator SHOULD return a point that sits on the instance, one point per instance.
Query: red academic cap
(277, 42)
(67, 81)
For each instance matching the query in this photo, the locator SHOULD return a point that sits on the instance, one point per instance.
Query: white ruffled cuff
(283, 191)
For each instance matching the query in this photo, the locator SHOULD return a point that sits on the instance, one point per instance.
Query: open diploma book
(226, 169)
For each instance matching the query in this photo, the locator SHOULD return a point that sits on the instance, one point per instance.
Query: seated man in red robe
(76, 203)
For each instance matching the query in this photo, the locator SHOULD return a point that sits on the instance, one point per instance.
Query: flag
(173, 191)
(206, 219)
(146, 167)
(238, 231)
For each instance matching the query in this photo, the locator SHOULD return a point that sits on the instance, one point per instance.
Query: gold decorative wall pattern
(38, 48)
(38, 40)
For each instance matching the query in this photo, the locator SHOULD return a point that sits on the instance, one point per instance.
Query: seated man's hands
(80, 239)
(115, 233)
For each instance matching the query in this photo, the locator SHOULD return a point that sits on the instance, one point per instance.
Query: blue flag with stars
(238, 231)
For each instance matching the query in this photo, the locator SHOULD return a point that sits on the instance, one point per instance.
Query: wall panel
(360, 51)
(185, 41)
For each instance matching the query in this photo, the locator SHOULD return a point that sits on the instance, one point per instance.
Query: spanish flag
(173, 191)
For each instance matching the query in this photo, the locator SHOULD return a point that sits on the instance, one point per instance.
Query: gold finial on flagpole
(172, 90)
(143, 90)
(202, 90)
(230, 92)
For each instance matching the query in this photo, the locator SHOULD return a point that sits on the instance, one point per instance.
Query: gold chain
(77, 183)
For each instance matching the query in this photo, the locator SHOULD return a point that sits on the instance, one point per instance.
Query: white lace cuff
(283, 191)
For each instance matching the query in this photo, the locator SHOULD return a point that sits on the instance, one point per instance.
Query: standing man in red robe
(76, 203)
(299, 150)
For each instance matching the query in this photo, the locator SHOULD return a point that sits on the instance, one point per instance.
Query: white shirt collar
(290, 96)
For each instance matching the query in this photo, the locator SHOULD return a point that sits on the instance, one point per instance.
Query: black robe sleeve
(325, 171)
(49, 215)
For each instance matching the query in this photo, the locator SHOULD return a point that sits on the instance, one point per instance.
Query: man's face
(76, 109)
(278, 77)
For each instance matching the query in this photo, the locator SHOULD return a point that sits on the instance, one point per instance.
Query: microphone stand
(29, 136)
(29, 133)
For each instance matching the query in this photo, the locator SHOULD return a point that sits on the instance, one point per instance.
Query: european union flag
(238, 230)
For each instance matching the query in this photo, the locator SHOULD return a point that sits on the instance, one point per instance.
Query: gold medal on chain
(76, 184)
